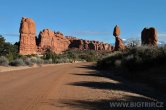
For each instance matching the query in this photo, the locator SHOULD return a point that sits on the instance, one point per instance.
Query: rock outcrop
(55, 41)
(119, 45)
(27, 37)
(149, 36)
(88, 45)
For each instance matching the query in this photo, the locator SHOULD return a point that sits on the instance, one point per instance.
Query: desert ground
(77, 86)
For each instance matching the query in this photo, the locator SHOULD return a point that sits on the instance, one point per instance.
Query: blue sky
(86, 19)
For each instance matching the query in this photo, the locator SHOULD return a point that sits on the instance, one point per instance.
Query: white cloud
(124, 39)
(162, 34)
(162, 37)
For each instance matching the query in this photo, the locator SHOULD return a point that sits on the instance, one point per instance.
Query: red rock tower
(149, 36)
(27, 37)
(119, 45)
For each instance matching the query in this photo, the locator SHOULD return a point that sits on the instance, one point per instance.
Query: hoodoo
(119, 45)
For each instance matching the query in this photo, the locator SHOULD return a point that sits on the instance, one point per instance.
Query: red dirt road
(62, 87)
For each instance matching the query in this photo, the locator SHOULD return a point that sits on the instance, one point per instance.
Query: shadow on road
(104, 104)
(122, 85)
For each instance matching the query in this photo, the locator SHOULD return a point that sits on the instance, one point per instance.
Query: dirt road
(65, 87)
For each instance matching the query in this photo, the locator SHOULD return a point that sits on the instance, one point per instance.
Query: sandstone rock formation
(116, 31)
(86, 44)
(119, 45)
(55, 41)
(149, 36)
(27, 37)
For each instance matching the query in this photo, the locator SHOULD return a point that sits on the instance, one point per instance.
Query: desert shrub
(118, 63)
(131, 62)
(142, 58)
(28, 61)
(86, 55)
(63, 60)
(90, 58)
(37, 60)
(33, 59)
(109, 62)
(4, 61)
(17, 62)
(49, 61)
(143, 64)
(134, 59)
(50, 56)
(73, 56)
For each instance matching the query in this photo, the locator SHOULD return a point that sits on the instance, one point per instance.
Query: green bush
(8, 50)
(4, 61)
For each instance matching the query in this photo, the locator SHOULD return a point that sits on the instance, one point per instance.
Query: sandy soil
(12, 68)
(75, 86)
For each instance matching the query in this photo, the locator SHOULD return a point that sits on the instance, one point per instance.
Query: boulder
(116, 31)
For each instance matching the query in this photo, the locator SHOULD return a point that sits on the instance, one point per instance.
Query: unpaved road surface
(65, 87)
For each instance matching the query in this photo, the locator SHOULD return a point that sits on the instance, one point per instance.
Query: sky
(85, 19)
